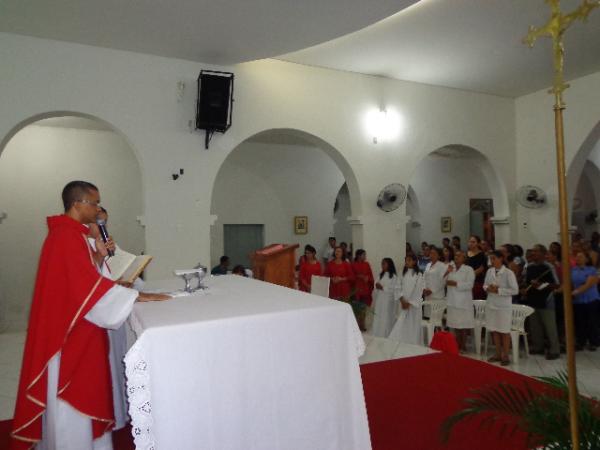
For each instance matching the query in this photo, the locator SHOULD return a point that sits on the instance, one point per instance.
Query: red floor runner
(407, 400)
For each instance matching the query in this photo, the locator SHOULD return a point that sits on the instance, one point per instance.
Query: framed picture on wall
(446, 224)
(300, 224)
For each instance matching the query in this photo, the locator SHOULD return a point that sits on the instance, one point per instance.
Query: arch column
(501, 229)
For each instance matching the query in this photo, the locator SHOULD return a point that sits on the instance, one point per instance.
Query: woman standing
(461, 315)
(363, 274)
(363, 285)
(407, 328)
(500, 284)
(585, 302)
(477, 260)
(387, 292)
(435, 284)
(448, 255)
(342, 277)
(308, 267)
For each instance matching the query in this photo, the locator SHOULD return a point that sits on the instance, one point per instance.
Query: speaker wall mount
(214, 107)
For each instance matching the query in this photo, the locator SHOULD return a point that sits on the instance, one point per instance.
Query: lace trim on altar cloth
(359, 342)
(138, 392)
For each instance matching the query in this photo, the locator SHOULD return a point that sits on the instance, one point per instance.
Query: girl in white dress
(408, 328)
(433, 276)
(386, 294)
(461, 315)
(500, 284)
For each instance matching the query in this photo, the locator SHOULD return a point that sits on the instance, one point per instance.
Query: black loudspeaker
(215, 102)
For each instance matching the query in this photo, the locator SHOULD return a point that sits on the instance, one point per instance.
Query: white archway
(287, 200)
(589, 149)
(450, 174)
(37, 157)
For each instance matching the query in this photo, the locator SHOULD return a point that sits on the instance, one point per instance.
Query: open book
(126, 266)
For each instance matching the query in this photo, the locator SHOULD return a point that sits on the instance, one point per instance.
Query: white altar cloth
(246, 365)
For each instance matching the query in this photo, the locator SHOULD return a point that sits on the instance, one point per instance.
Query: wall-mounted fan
(531, 197)
(391, 197)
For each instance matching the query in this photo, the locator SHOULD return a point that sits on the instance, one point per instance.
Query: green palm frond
(502, 404)
(543, 417)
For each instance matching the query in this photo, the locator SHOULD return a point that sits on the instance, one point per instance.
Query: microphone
(104, 234)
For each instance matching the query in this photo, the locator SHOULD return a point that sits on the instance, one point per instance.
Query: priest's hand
(451, 283)
(148, 297)
(426, 292)
(110, 245)
(378, 286)
(126, 284)
(404, 303)
(104, 247)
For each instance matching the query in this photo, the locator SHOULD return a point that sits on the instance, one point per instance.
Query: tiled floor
(588, 363)
(378, 349)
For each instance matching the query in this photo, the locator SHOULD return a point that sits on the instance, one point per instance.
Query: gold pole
(555, 28)
(566, 272)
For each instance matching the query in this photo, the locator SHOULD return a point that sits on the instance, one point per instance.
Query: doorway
(240, 241)
(481, 212)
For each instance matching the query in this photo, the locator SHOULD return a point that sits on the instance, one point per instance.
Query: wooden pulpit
(275, 264)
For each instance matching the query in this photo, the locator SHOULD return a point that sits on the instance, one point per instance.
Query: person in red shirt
(364, 282)
(341, 274)
(308, 267)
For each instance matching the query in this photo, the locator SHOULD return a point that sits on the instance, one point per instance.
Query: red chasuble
(364, 282)
(67, 287)
(307, 270)
(341, 289)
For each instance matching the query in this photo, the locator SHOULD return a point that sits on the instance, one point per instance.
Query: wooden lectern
(275, 264)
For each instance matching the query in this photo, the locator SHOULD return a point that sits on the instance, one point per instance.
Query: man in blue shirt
(221, 269)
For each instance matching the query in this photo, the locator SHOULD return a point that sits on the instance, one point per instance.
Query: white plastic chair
(319, 285)
(479, 306)
(435, 317)
(517, 329)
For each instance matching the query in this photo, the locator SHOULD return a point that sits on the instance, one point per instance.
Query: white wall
(34, 167)
(443, 187)
(265, 183)
(536, 156)
(137, 94)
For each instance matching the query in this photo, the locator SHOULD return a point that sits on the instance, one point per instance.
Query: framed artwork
(300, 224)
(446, 224)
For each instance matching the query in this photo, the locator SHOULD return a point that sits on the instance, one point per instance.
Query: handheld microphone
(104, 234)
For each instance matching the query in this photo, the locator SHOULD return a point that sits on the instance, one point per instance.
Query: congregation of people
(502, 276)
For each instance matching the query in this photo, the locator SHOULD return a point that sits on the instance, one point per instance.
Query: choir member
(459, 282)
(435, 283)
(500, 284)
(309, 267)
(342, 277)
(478, 262)
(364, 282)
(387, 292)
(408, 328)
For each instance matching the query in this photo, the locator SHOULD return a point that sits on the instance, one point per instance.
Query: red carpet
(407, 400)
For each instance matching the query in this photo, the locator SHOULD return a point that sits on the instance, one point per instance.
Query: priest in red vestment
(65, 376)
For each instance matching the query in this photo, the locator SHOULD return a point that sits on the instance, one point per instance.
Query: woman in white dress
(435, 283)
(407, 328)
(500, 284)
(461, 315)
(386, 294)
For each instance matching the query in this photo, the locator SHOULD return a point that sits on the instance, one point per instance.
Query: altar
(246, 365)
